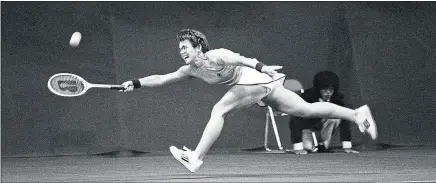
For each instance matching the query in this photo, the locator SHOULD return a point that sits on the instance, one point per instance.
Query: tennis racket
(71, 85)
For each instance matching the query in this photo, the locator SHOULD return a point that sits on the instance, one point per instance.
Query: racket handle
(117, 87)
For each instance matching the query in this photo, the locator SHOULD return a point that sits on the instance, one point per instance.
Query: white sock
(298, 146)
(346, 144)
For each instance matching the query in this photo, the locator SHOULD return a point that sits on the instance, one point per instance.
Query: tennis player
(252, 82)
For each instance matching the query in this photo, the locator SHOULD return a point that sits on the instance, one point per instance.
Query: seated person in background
(325, 89)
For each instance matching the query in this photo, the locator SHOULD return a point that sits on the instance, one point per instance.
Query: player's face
(187, 51)
(326, 93)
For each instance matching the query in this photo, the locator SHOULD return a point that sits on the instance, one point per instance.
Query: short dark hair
(325, 79)
(195, 37)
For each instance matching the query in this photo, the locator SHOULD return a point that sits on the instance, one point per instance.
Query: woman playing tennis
(252, 82)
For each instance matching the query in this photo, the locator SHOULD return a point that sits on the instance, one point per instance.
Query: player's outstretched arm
(157, 80)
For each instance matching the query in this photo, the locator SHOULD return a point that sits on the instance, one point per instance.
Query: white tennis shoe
(365, 121)
(185, 157)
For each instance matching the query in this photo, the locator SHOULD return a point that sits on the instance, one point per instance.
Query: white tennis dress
(218, 72)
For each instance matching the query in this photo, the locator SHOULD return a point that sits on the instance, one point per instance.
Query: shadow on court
(398, 164)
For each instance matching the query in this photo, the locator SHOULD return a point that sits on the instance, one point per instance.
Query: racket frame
(86, 85)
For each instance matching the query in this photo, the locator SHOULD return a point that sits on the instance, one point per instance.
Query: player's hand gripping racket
(71, 85)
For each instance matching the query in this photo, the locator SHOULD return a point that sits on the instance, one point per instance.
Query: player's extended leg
(289, 102)
(236, 98)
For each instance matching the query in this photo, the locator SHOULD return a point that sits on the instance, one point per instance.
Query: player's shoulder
(219, 51)
(185, 69)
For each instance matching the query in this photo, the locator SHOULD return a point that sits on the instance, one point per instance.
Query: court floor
(391, 165)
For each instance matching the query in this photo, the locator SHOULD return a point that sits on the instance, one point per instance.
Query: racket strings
(67, 85)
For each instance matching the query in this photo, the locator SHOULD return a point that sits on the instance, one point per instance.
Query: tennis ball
(75, 39)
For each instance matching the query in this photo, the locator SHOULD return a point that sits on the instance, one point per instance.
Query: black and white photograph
(218, 91)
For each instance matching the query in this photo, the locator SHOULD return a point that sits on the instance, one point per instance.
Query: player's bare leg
(236, 98)
(289, 102)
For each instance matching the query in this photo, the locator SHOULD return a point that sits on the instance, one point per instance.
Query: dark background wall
(394, 55)
(383, 52)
